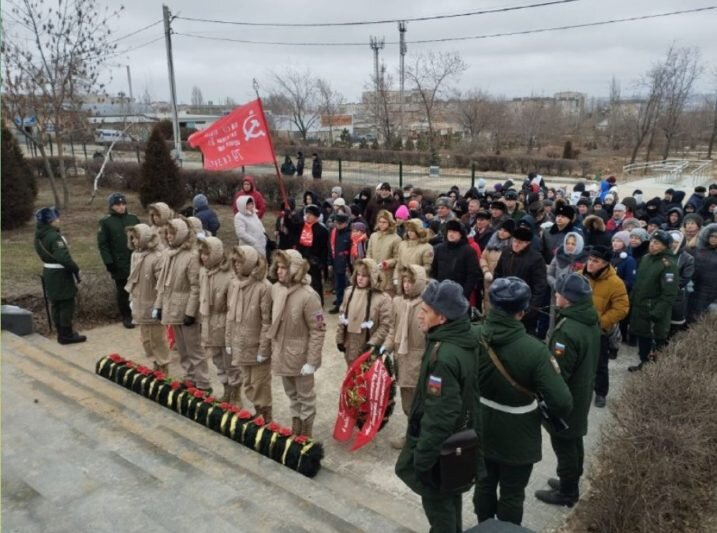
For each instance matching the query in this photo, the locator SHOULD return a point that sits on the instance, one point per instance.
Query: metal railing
(702, 173)
(666, 171)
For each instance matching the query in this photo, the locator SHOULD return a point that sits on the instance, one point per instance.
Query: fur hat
(455, 225)
(662, 236)
(446, 298)
(601, 252)
(313, 210)
(573, 287)
(510, 295)
(46, 215)
(567, 211)
(508, 225)
(523, 234)
(498, 204)
(485, 215)
(443, 201)
(339, 202)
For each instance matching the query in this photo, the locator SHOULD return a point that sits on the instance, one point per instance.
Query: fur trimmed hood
(708, 230)
(248, 262)
(184, 238)
(383, 213)
(215, 249)
(416, 226)
(147, 237)
(373, 272)
(415, 273)
(594, 223)
(163, 210)
(298, 266)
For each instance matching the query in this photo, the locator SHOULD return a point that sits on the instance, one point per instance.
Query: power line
(132, 48)
(371, 22)
(148, 26)
(450, 39)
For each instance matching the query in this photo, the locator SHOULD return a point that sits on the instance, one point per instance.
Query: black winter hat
(46, 215)
(446, 298)
(566, 211)
(508, 225)
(584, 201)
(700, 189)
(511, 295)
(662, 236)
(523, 234)
(455, 225)
(313, 209)
(601, 252)
(511, 195)
(341, 218)
(498, 205)
(116, 198)
(483, 214)
(573, 287)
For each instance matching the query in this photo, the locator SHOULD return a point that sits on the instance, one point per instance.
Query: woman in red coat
(249, 189)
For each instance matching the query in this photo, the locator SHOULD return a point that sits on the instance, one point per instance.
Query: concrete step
(199, 469)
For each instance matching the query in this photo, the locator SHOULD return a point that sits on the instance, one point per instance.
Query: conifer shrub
(161, 179)
(19, 188)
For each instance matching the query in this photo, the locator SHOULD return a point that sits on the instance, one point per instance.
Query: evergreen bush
(161, 180)
(19, 189)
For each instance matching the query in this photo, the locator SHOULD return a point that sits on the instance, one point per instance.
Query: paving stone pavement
(111, 460)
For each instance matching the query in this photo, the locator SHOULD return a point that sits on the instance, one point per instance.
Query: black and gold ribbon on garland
(297, 452)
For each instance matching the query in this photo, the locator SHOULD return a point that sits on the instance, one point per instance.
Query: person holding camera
(444, 403)
(575, 345)
(520, 385)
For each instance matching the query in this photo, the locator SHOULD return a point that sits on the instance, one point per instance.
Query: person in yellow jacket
(612, 305)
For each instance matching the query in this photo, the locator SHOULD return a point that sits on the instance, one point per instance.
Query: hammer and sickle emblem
(252, 128)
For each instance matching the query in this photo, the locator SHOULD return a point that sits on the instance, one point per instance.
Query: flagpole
(284, 197)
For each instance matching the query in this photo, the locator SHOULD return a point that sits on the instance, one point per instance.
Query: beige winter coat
(214, 279)
(383, 246)
(405, 338)
(297, 321)
(249, 313)
(146, 264)
(178, 283)
(354, 329)
(416, 252)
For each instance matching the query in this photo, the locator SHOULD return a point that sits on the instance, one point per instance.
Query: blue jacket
(626, 268)
(209, 219)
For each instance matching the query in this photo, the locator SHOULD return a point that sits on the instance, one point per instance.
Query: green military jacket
(112, 242)
(510, 421)
(58, 272)
(656, 286)
(438, 410)
(575, 344)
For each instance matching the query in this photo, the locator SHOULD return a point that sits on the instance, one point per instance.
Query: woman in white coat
(248, 226)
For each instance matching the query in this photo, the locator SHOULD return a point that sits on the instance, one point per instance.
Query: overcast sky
(541, 64)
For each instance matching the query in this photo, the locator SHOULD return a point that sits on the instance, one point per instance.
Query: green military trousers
(444, 513)
(512, 480)
(62, 312)
(571, 455)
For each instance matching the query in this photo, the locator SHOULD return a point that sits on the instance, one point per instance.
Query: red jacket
(259, 202)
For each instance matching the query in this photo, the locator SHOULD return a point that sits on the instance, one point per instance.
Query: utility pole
(402, 51)
(129, 82)
(376, 45)
(172, 86)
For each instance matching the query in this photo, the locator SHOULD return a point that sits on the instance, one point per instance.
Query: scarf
(356, 309)
(165, 279)
(307, 235)
(206, 305)
(358, 251)
(239, 301)
(280, 296)
(134, 275)
(403, 325)
(494, 243)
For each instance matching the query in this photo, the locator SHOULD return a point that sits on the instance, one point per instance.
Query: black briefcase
(458, 461)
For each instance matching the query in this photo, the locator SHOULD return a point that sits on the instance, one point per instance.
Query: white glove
(488, 277)
(228, 350)
(260, 359)
(155, 313)
(307, 369)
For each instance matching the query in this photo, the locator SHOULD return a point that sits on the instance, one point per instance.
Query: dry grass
(657, 462)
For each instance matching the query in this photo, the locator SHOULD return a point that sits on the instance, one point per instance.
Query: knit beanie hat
(200, 201)
(402, 213)
(116, 198)
(624, 237)
(446, 298)
(573, 287)
(641, 234)
(510, 295)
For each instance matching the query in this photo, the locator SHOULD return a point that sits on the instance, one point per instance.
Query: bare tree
(52, 60)
(297, 91)
(382, 112)
(531, 120)
(230, 102)
(614, 117)
(473, 111)
(330, 101)
(197, 98)
(430, 74)
(644, 119)
(681, 69)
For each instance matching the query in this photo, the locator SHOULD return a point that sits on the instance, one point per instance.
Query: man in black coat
(313, 246)
(316, 167)
(456, 260)
(525, 262)
(383, 199)
(482, 232)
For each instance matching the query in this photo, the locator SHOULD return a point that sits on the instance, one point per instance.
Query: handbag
(458, 459)
(555, 423)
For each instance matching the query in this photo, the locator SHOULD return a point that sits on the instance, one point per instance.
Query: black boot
(635, 368)
(65, 335)
(127, 322)
(554, 483)
(566, 495)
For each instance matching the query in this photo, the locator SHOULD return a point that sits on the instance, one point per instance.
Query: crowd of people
(554, 282)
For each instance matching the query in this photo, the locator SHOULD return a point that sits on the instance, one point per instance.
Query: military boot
(65, 335)
(554, 483)
(307, 427)
(566, 495)
(296, 425)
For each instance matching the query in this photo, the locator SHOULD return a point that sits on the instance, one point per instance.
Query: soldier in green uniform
(112, 243)
(575, 344)
(656, 286)
(513, 367)
(445, 401)
(59, 273)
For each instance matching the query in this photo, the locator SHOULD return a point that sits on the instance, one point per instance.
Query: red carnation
(198, 393)
(244, 414)
(210, 399)
(236, 410)
(188, 383)
(274, 427)
(259, 421)
(145, 371)
(226, 406)
(284, 432)
(301, 439)
(160, 375)
(116, 358)
(175, 385)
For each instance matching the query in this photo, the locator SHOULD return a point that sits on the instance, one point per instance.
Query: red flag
(240, 138)
(379, 385)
